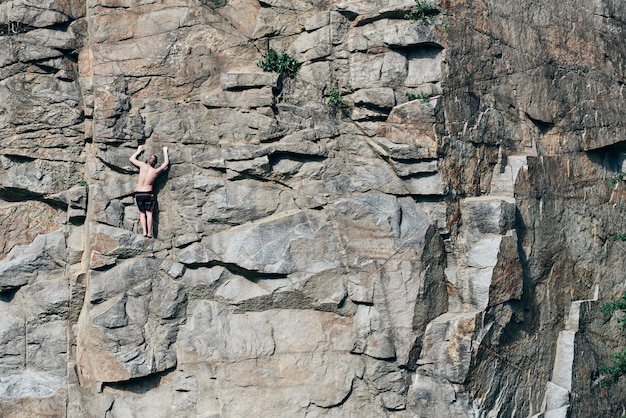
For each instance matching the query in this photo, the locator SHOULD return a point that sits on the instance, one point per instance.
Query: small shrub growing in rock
(617, 369)
(422, 97)
(618, 366)
(425, 11)
(609, 308)
(335, 99)
(616, 179)
(282, 63)
(618, 236)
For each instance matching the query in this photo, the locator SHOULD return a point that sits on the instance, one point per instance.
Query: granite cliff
(418, 224)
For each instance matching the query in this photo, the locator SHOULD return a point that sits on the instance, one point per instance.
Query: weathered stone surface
(22, 222)
(25, 264)
(285, 244)
(393, 257)
(131, 325)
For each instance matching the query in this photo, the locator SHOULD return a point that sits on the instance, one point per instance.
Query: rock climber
(144, 195)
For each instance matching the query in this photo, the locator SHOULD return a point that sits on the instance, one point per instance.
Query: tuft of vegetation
(83, 183)
(618, 366)
(609, 308)
(335, 99)
(618, 236)
(282, 63)
(422, 97)
(425, 11)
(616, 179)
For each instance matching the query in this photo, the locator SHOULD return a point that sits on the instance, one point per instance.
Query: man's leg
(142, 221)
(149, 221)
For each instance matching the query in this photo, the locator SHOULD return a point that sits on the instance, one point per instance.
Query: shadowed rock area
(418, 224)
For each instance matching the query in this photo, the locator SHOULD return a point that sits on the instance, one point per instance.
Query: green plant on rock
(616, 179)
(425, 11)
(336, 99)
(618, 366)
(421, 96)
(618, 236)
(609, 308)
(282, 63)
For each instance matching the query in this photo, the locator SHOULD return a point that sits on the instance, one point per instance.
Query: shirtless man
(143, 192)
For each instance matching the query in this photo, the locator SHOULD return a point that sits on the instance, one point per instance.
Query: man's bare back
(147, 176)
(148, 172)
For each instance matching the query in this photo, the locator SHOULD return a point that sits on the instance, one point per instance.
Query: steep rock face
(393, 257)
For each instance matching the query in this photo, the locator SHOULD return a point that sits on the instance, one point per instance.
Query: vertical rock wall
(437, 247)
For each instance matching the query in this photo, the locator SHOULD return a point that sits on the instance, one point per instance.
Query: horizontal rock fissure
(7, 295)
(543, 126)
(251, 275)
(14, 195)
(139, 385)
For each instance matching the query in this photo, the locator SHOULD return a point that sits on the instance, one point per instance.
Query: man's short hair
(153, 160)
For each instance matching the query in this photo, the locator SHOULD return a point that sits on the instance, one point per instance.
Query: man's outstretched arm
(166, 160)
(133, 158)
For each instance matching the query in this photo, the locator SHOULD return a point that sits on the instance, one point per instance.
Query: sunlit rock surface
(436, 243)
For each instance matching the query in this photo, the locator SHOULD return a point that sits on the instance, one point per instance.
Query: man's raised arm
(133, 158)
(166, 160)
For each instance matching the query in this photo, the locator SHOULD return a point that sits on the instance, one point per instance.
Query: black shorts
(145, 201)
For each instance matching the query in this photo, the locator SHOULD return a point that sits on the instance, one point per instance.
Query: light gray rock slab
(372, 334)
(41, 15)
(317, 21)
(382, 97)
(384, 70)
(195, 253)
(238, 289)
(257, 166)
(31, 385)
(121, 243)
(173, 269)
(431, 396)
(447, 347)
(307, 344)
(425, 66)
(244, 201)
(311, 46)
(131, 332)
(243, 80)
(51, 38)
(124, 276)
(280, 244)
(408, 33)
(43, 258)
(247, 99)
(201, 282)
(427, 185)
(111, 313)
(37, 176)
(213, 333)
(405, 169)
